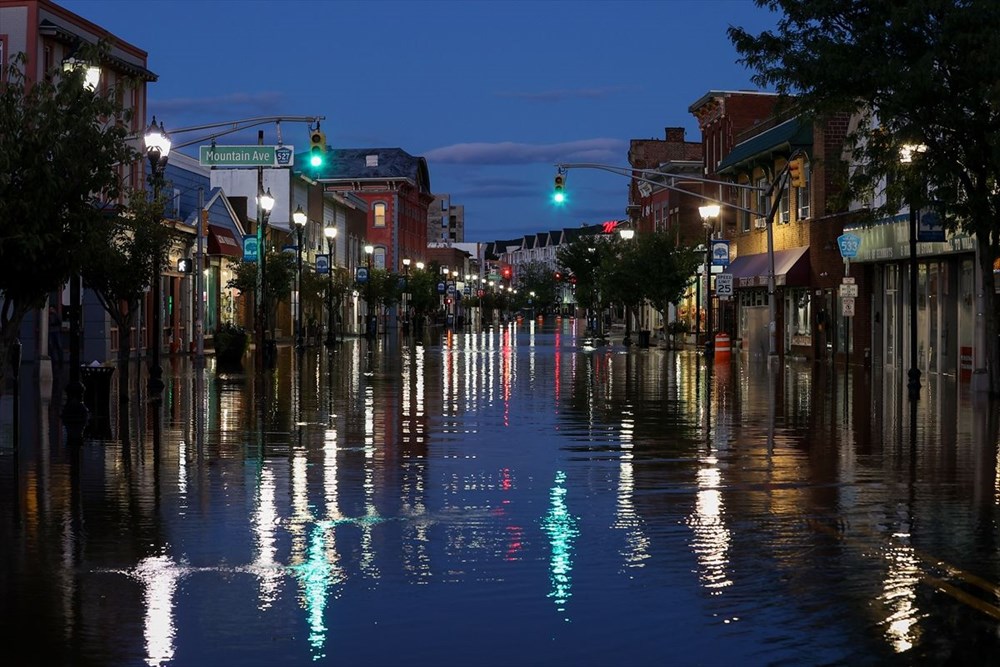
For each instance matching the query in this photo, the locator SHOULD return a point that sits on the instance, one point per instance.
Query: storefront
(794, 308)
(945, 317)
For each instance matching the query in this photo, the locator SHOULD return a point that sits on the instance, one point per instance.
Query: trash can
(644, 338)
(97, 397)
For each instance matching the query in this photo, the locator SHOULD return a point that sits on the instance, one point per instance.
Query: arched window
(378, 260)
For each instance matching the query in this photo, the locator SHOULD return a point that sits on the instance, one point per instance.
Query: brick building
(396, 186)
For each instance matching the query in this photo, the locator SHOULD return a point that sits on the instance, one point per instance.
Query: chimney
(675, 134)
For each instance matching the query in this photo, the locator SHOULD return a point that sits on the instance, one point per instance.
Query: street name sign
(246, 156)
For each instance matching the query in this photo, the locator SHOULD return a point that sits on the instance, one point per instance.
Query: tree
(583, 258)
(59, 165)
(537, 277)
(920, 72)
(279, 276)
(118, 264)
(666, 269)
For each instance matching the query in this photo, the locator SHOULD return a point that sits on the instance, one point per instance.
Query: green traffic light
(316, 160)
(559, 197)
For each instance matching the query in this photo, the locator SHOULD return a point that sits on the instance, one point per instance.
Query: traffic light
(558, 277)
(185, 265)
(559, 188)
(317, 147)
(797, 171)
(506, 273)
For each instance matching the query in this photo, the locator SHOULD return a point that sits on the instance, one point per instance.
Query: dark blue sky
(493, 94)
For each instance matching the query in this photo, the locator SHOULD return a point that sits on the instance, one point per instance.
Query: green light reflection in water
(561, 528)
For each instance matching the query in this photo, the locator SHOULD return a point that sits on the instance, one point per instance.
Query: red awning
(791, 267)
(221, 241)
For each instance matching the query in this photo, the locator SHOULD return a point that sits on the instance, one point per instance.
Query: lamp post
(74, 413)
(157, 151)
(627, 233)
(709, 213)
(906, 155)
(265, 202)
(300, 218)
(369, 329)
(406, 295)
(330, 233)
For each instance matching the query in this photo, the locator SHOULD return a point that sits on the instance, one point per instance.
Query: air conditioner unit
(760, 223)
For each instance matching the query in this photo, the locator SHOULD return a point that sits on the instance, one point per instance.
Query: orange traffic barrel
(722, 347)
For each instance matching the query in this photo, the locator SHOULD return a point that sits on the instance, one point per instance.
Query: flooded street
(508, 497)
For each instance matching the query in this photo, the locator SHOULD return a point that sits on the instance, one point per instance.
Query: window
(802, 194)
(379, 210)
(783, 205)
(744, 202)
(378, 259)
(762, 203)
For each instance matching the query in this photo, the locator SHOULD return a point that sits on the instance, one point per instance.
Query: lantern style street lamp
(709, 213)
(265, 202)
(300, 218)
(330, 233)
(370, 327)
(74, 413)
(907, 153)
(157, 151)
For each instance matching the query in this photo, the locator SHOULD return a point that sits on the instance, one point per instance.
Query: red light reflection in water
(506, 351)
(558, 344)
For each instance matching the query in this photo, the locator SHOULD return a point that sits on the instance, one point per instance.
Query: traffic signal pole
(778, 184)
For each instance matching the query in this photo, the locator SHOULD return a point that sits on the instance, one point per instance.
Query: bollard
(722, 347)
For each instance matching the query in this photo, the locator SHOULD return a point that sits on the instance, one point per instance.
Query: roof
(50, 29)
(351, 164)
(793, 133)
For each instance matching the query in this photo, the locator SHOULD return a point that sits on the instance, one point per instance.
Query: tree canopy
(61, 146)
(920, 72)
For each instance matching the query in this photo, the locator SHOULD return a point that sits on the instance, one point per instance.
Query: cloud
(511, 153)
(568, 94)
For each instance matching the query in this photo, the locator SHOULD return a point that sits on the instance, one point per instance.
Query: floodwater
(507, 497)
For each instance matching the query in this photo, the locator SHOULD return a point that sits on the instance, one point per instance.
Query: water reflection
(560, 527)
(373, 502)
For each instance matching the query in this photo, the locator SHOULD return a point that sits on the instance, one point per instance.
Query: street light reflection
(900, 595)
(626, 516)
(159, 576)
(711, 537)
(265, 522)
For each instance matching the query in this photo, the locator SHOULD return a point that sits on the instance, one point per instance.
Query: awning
(789, 135)
(221, 241)
(791, 267)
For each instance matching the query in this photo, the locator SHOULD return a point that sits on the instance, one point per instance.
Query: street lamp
(330, 232)
(265, 202)
(627, 233)
(709, 213)
(74, 413)
(406, 294)
(300, 218)
(157, 151)
(907, 153)
(369, 329)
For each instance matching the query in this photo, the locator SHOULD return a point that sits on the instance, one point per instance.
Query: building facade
(396, 187)
(445, 221)
(50, 37)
